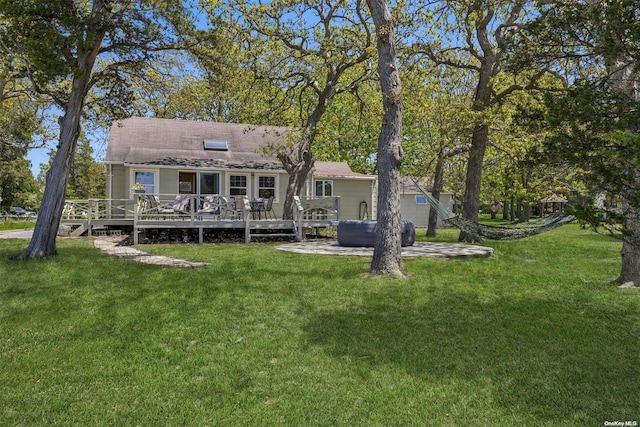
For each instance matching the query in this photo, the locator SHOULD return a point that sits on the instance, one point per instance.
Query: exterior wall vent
(215, 144)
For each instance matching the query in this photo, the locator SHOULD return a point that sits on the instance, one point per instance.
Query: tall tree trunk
(300, 164)
(525, 213)
(43, 242)
(471, 201)
(298, 172)
(630, 272)
(387, 252)
(626, 78)
(438, 184)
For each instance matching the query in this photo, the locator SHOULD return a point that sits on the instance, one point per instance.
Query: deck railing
(192, 211)
(90, 209)
(321, 208)
(142, 208)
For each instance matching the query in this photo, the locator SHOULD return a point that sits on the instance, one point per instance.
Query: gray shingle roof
(407, 186)
(337, 170)
(179, 143)
(167, 142)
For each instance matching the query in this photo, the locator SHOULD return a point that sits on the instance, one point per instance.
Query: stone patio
(419, 249)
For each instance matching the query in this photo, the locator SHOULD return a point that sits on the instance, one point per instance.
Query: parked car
(22, 212)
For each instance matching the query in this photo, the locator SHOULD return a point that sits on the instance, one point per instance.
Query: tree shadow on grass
(554, 360)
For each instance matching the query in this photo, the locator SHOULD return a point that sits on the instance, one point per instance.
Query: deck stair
(80, 230)
(273, 229)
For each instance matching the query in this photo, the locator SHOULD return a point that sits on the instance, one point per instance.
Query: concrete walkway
(114, 246)
(17, 234)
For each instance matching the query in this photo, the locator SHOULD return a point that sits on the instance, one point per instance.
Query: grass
(16, 225)
(534, 336)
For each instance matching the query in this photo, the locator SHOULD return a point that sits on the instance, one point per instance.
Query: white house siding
(352, 192)
(418, 214)
(167, 181)
(119, 182)
(410, 211)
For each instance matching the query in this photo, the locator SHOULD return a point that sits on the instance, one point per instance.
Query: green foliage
(45, 39)
(437, 119)
(595, 129)
(299, 55)
(20, 122)
(87, 178)
(350, 128)
(532, 336)
(593, 125)
(18, 187)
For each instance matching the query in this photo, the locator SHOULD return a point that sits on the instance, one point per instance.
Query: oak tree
(387, 251)
(309, 52)
(470, 36)
(594, 123)
(70, 48)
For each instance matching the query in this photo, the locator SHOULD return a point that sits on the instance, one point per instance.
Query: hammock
(495, 232)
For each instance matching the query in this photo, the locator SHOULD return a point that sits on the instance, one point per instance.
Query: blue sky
(37, 156)
(41, 155)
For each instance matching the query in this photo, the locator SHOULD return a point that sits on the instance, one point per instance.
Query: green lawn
(16, 225)
(533, 336)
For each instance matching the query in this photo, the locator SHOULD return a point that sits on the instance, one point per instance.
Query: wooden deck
(137, 215)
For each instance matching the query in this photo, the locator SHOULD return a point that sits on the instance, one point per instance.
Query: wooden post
(90, 216)
(297, 216)
(192, 210)
(247, 212)
(136, 208)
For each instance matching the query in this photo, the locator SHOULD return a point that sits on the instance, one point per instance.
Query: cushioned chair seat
(363, 233)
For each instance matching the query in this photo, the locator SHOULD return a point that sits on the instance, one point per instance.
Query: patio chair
(181, 205)
(235, 208)
(157, 207)
(268, 209)
(212, 205)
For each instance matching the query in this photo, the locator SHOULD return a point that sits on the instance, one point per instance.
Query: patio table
(257, 207)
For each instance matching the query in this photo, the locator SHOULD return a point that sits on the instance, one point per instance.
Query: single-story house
(209, 177)
(204, 158)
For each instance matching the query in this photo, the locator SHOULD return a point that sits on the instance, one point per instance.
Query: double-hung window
(266, 186)
(237, 185)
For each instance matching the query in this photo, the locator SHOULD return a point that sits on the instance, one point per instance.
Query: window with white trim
(237, 185)
(266, 186)
(324, 188)
(209, 183)
(146, 177)
(421, 200)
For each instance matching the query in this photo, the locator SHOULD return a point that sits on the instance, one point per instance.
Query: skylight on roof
(215, 144)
